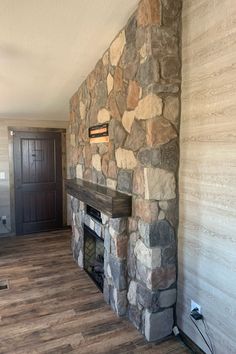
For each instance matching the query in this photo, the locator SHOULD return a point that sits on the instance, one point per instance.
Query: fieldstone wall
(135, 87)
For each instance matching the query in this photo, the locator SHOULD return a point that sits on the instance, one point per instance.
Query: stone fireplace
(135, 88)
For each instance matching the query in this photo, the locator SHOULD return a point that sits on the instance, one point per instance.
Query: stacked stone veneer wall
(135, 87)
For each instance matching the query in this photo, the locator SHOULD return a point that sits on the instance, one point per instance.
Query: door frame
(11, 131)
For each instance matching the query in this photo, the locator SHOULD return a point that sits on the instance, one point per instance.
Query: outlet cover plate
(195, 305)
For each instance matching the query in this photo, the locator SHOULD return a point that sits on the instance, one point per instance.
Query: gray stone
(121, 102)
(170, 67)
(72, 171)
(159, 233)
(106, 291)
(140, 37)
(164, 42)
(167, 298)
(120, 301)
(125, 181)
(148, 72)
(117, 133)
(170, 10)
(75, 205)
(132, 292)
(118, 272)
(147, 298)
(144, 156)
(119, 225)
(170, 155)
(169, 255)
(131, 260)
(158, 325)
(131, 70)
(156, 157)
(135, 316)
(137, 137)
(98, 229)
(101, 179)
(161, 88)
(101, 94)
(130, 31)
(107, 241)
(129, 56)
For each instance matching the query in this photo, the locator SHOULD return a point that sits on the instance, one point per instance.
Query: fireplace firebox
(94, 256)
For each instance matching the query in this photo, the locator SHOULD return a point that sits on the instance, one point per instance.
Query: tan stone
(163, 278)
(121, 246)
(161, 215)
(149, 107)
(133, 95)
(105, 58)
(118, 79)
(138, 181)
(105, 161)
(159, 131)
(125, 159)
(79, 171)
(110, 82)
(163, 204)
(133, 225)
(103, 115)
(82, 109)
(159, 184)
(111, 183)
(127, 120)
(96, 162)
(149, 257)
(149, 13)
(146, 210)
(91, 80)
(171, 110)
(113, 106)
(117, 47)
(87, 155)
(112, 169)
(72, 139)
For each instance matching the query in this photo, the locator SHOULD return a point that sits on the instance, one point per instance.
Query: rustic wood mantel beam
(110, 202)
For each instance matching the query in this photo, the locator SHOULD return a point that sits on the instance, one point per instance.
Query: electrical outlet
(194, 305)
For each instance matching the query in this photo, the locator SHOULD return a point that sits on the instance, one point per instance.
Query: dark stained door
(38, 181)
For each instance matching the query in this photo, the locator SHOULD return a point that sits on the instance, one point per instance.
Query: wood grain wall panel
(4, 156)
(207, 177)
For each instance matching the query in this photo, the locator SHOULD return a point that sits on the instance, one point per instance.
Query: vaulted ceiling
(48, 47)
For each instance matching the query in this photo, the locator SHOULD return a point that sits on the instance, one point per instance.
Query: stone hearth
(135, 87)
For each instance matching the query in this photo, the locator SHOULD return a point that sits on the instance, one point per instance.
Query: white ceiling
(48, 47)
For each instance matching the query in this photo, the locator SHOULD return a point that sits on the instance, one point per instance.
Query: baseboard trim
(193, 346)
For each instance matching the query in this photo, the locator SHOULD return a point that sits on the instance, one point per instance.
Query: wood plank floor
(53, 307)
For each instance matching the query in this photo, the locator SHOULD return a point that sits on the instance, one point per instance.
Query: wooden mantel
(110, 202)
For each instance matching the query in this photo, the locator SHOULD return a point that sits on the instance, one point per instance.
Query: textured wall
(208, 171)
(4, 159)
(135, 87)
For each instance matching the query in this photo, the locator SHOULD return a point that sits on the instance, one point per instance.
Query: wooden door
(38, 181)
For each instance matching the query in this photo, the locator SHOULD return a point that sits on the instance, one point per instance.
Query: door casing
(11, 131)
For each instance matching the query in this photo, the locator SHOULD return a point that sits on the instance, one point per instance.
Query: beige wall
(207, 230)
(4, 158)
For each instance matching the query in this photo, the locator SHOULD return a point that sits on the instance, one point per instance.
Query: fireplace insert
(94, 256)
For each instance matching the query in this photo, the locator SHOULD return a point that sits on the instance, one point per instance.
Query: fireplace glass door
(94, 256)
